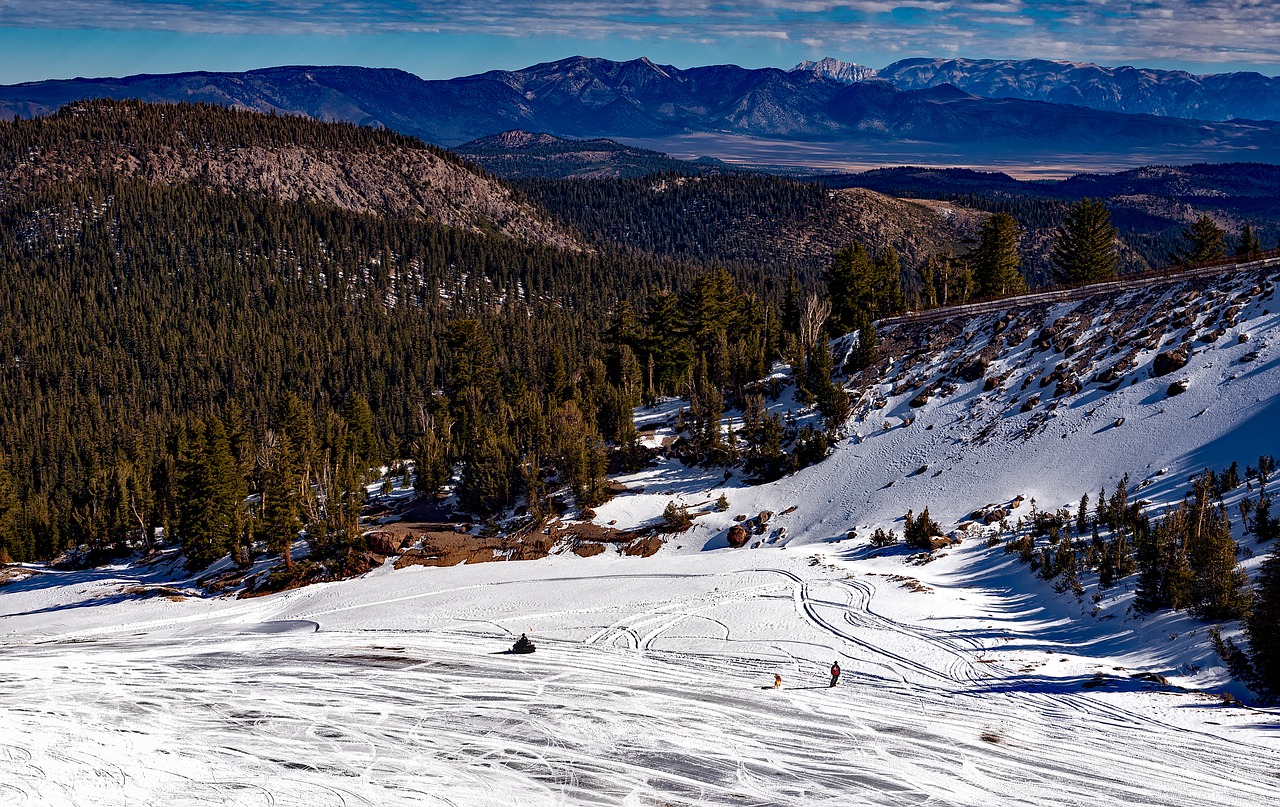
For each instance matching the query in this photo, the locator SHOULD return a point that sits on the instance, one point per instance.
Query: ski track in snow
(652, 681)
(651, 685)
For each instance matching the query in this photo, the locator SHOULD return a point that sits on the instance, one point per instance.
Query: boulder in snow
(974, 369)
(1168, 362)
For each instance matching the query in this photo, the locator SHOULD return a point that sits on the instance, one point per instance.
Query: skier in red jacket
(835, 672)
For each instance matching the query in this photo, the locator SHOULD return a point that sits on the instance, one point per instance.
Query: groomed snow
(652, 684)
(964, 678)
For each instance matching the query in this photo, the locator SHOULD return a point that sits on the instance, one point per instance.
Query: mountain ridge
(592, 97)
(1241, 95)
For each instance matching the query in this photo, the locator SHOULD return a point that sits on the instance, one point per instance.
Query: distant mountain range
(1132, 90)
(589, 98)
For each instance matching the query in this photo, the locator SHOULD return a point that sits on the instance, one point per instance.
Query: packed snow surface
(652, 684)
(966, 681)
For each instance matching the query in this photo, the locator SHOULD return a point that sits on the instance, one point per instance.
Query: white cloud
(1203, 31)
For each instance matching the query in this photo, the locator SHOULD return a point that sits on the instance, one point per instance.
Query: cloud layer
(1109, 31)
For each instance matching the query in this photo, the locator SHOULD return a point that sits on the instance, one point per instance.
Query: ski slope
(967, 681)
(652, 684)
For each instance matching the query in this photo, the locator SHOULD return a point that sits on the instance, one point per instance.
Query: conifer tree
(360, 427)
(791, 305)
(1263, 626)
(887, 288)
(486, 478)
(919, 531)
(8, 510)
(1249, 245)
(1203, 242)
(1084, 248)
(281, 496)
(1220, 589)
(928, 297)
(431, 463)
(209, 511)
(864, 352)
(996, 263)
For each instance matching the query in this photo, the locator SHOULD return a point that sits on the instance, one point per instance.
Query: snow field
(651, 685)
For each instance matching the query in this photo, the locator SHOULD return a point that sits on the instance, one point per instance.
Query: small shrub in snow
(675, 518)
(920, 531)
(881, 539)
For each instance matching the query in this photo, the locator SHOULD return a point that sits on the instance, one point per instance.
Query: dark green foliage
(169, 301)
(811, 447)
(8, 511)
(881, 539)
(919, 531)
(1263, 472)
(996, 263)
(487, 472)
(1249, 245)
(697, 219)
(432, 466)
(861, 287)
(1259, 665)
(763, 435)
(675, 517)
(1203, 242)
(1084, 249)
(1262, 524)
(1263, 626)
(865, 351)
(210, 493)
(1189, 559)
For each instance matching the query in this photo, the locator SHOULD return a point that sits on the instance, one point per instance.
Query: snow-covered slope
(1075, 405)
(966, 681)
(652, 684)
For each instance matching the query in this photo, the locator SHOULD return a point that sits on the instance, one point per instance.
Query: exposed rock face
(385, 543)
(836, 70)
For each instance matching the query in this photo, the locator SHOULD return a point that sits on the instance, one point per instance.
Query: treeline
(131, 311)
(1184, 558)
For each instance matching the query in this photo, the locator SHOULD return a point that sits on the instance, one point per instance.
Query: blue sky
(445, 38)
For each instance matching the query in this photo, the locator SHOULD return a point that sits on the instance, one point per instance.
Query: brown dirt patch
(439, 548)
(12, 574)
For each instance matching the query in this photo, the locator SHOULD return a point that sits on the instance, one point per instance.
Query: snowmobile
(523, 645)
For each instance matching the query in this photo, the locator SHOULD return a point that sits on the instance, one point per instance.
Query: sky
(445, 38)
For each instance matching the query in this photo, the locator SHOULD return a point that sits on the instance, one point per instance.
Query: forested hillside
(163, 343)
(218, 348)
(1149, 206)
(286, 157)
(753, 220)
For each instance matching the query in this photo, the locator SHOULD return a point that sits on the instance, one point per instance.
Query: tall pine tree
(1084, 248)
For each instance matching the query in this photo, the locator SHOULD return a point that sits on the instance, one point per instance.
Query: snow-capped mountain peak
(843, 72)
